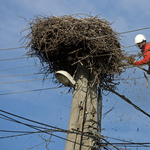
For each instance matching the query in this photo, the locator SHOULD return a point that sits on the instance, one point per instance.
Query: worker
(140, 40)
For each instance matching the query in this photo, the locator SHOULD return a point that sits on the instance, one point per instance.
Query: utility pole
(83, 110)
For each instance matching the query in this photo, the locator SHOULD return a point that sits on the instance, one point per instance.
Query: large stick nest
(64, 43)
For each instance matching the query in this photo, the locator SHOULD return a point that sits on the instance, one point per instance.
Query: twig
(146, 80)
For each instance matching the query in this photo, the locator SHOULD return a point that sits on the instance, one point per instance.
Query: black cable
(10, 136)
(125, 141)
(16, 131)
(46, 131)
(37, 128)
(31, 120)
(128, 101)
(16, 121)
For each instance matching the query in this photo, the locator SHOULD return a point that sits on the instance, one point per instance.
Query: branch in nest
(146, 80)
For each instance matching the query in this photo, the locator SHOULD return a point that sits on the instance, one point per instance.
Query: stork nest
(66, 42)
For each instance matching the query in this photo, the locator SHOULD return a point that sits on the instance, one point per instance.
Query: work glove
(136, 63)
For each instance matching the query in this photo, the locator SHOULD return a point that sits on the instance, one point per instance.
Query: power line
(128, 101)
(103, 144)
(54, 130)
(125, 141)
(34, 56)
(134, 30)
(61, 60)
(10, 131)
(12, 48)
(15, 58)
(129, 78)
(26, 119)
(18, 67)
(20, 75)
(28, 91)
(24, 81)
(97, 135)
(25, 133)
(37, 128)
(99, 37)
(120, 33)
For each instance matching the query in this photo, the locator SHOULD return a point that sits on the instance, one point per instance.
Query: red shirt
(146, 54)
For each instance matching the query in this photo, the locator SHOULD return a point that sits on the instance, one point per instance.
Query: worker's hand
(136, 63)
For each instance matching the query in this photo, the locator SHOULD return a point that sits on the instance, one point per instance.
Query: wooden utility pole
(83, 110)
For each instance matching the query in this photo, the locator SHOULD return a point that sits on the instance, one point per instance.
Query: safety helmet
(139, 38)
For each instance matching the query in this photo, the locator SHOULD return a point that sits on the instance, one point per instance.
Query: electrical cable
(28, 91)
(51, 78)
(63, 60)
(37, 128)
(99, 37)
(25, 80)
(128, 101)
(120, 33)
(20, 75)
(29, 119)
(134, 30)
(15, 58)
(12, 48)
(49, 130)
(129, 78)
(52, 130)
(127, 142)
(24, 133)
(18, 67)
(124, 141)
(10, 131)
(16, 121)
(29, 125)
(34, 56)
(128, 32)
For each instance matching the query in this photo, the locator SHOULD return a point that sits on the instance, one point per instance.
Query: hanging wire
(18, 67)
(29, 91)
(55, 129)
(25, 81)
(120, 33)
(20, 75)
(12, 48)
(37, 128)
(15, 58)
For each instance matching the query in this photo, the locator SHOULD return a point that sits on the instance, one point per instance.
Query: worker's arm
(145, 60)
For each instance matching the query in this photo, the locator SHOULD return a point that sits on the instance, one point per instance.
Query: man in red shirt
(140, 40)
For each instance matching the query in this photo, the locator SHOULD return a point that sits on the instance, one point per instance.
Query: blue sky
(52, 107)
